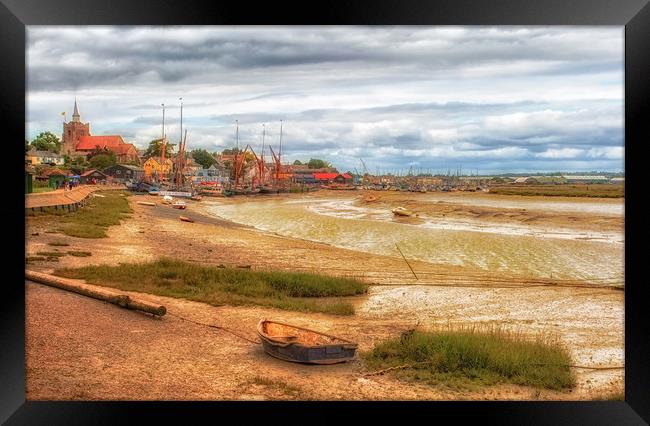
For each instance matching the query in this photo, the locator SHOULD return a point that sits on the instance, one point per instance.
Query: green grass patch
(94, 218)
(58, 244)
(584, 190)
(296, 291)
(42, 189)
(467, 358)
(79, 253)
(50, 253)
(34, 258)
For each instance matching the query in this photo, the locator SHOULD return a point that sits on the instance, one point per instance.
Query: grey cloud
(486, 97)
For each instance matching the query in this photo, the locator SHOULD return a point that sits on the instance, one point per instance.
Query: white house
(35, 157)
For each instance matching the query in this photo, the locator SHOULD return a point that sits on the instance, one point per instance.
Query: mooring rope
(399, 367)
(217, 327)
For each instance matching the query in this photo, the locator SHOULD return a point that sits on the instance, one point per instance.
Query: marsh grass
(50, 253)
(294, 291)
(94, 218)
(469, 357)
(79, 253)
(598, 191)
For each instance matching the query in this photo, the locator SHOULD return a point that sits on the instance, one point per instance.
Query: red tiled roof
(124, 149)
(55, 172)
(323, 176)
(91, 142)
(89, 172)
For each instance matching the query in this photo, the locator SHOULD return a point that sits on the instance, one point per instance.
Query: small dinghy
(167, 199)
(179, 205)
(185, 219)
(401, 211)
(297, 344)
(146, 203)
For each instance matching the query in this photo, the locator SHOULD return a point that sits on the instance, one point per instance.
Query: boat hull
(332, 353)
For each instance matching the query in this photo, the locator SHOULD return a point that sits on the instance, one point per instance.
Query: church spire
(75, 114)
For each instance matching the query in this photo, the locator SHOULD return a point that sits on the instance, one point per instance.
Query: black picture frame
(15, 15)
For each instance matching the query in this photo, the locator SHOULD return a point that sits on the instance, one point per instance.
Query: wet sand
(182, 360)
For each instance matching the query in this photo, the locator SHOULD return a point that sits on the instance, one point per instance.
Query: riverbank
(588, 320)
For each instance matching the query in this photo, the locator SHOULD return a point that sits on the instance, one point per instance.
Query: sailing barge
(297, 344)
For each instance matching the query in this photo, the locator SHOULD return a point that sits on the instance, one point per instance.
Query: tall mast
(162, 148)
(280, 150)
(181, 139)
(261, 160)
(263, 135)
(237, 133)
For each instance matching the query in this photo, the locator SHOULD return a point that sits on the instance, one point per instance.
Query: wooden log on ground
(119, 299)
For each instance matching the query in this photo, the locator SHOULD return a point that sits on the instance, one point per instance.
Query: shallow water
(508, 248)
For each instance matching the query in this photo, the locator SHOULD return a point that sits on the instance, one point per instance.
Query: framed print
(380, 207)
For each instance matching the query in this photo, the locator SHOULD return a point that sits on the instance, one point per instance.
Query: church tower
(72, 131)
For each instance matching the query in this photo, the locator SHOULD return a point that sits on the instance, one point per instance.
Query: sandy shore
(173, 359)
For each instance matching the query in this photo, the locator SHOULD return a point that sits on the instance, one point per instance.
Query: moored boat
(167, 199)
(401, 211)
(297, 344)
(179, 205)
(184, 194)
(185, 219)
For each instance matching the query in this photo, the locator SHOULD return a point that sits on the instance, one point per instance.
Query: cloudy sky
(496, 99)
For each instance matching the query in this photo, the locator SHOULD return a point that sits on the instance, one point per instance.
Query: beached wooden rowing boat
(146, 203)
(296, 344)
(185, 219)
(179, 205)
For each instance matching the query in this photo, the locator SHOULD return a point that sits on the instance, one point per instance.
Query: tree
(78, 161)
(203, 157)
(102, 161)
(100, 151)
(231, 151)
(155, 149)
(315, 163)
(297, 163)
(47, 141)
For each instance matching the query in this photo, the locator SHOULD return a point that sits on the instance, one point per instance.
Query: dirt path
(121, 354)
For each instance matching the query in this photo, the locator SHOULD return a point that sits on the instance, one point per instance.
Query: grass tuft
(295, 291)
(79, 253)
(50, 253)
(94, 218)
(465, 358)
(597, 190)
(34, 258)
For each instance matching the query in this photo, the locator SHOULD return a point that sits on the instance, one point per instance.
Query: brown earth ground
(80, 348)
